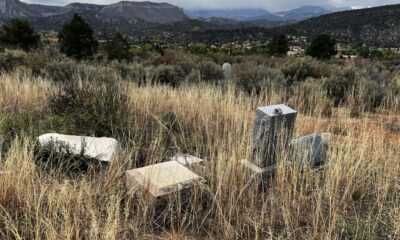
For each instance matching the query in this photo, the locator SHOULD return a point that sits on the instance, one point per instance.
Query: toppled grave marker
(162, 179)
(102, 149)
(310, 149)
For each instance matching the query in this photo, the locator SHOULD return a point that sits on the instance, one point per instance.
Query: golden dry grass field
(355, 196)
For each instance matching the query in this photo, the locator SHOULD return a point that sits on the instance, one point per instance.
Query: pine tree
(322, 47)
(278, 45)
(19, 33)
(77, 40)
(118, 48)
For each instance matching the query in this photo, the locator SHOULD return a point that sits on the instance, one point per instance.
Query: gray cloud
(272, 5)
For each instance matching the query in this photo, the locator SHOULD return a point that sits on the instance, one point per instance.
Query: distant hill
(16, 8)
(374, 26)
(258, 14)
(128, 10)
(378, 26)
(147, 11)
(304, 12)
(235, 14)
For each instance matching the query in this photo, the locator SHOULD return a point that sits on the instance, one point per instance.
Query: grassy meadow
(159, 106)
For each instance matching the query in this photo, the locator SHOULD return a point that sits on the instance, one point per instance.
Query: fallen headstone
(162, 179)
(102, 149)
(311, 149)
(273, 125)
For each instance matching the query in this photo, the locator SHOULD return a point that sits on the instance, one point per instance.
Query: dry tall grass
(357, 195)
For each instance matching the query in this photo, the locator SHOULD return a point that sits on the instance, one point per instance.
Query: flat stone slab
(102, 149)
(187, 160)
(163, 178)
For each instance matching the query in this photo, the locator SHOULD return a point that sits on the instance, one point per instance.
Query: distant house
(295, 51)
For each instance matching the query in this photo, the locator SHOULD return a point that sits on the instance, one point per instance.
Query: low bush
(10, 60)
(170, 75)
(38, 60)
(70, 71)
(210, 71)
(131, 72)
(59, 161)
(340, 85)
(165, 60)
(99, 110)
(253, 78)
(187, 65)
(64, 71)
(12, 126)
(303, 68)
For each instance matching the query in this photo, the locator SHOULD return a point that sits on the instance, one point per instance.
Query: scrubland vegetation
(157, 106)
(159, 102)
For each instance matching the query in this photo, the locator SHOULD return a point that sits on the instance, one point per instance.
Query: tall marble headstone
(272, 131)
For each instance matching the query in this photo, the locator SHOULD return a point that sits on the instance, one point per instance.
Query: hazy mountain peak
(148, 11)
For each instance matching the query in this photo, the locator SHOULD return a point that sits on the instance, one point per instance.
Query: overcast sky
(272, 5)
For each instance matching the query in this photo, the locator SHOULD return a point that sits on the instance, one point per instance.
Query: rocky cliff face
(15, 8)
(147, 11)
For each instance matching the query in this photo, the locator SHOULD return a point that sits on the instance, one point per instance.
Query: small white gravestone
(227, 69)
(162, 179)
(102, 149)
(187, 160)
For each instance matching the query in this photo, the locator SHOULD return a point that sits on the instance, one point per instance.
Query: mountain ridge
(375, 26)
(146, 11)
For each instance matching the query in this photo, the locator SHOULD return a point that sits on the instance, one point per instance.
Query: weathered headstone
(310, 149)
(272, 131)
(162, 179)
(102, 149)
(227, 70)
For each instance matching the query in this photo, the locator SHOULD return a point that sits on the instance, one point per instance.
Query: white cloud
(272, 5)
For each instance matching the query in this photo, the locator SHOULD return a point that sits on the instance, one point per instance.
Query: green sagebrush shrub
(10, 60)
(360, 86)
(70, 71)
(210, 71)
(253, 78)
(302, 68)
(93, 109)
(135, 72)
(170, 75)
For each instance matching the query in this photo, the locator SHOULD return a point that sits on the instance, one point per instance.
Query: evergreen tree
(279, 45)
(322, 47)
(118, 48)
(19, 33)
(77, 40)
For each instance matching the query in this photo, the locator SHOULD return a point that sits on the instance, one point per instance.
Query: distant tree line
(77, 40)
